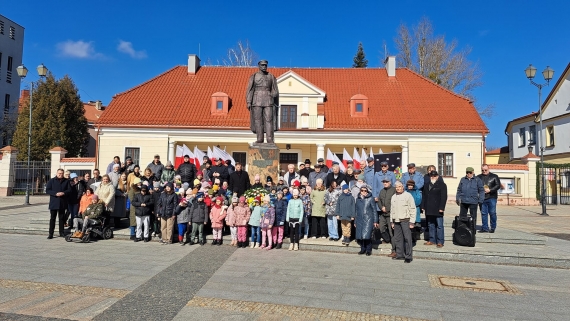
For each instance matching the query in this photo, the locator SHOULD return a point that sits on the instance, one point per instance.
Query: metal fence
(39, 176)
(557, 179)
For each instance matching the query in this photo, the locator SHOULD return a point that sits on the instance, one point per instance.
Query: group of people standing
(302, 204)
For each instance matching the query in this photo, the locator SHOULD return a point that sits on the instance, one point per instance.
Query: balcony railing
(302, 122)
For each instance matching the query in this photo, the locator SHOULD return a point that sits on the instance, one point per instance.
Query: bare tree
(431, 56)
(241, 55)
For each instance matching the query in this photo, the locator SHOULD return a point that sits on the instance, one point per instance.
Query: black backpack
(464, 234)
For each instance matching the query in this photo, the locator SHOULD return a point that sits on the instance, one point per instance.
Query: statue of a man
(262, 98)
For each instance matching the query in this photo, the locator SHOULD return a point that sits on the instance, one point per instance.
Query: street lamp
(23, 72)
(547, 73)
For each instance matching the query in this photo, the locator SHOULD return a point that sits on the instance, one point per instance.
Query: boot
(279, 245)
(256, 245)
(253, 245)
(291, 246)
(214, 242)
(296, 248)
(220, 242)
(270, 246)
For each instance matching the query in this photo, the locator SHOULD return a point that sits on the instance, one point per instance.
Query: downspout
(97, 147)
(484, 148)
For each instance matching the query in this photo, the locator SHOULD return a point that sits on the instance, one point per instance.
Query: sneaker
(291, 246)
(137, 240)
(343, 240)
(182, 243)
(256, 245)
(440, 245)
(268, 248)
(314, 237)
(296, 247)
(146, 240)
(492, 230)
(484, 231)
(253, 245)
(305, 237)
(323, 237)
(262, 247)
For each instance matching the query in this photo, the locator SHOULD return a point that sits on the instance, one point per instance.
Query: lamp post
(23, 72)
(547, 73)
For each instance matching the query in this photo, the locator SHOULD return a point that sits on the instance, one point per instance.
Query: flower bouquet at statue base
(252, 193)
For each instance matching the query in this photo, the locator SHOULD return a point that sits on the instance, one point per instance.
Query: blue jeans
(255, 234)
(332, 226)
(435, 228)
(489, 207)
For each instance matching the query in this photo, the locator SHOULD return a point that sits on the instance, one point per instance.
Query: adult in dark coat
(58, 189)
(366, 219)
(239, 181)
(336, 176)
(187, 171)
(220, 171)
(433, 205)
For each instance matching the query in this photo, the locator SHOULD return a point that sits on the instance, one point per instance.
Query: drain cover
(472, 284)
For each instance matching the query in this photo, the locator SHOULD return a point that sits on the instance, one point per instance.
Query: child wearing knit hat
(266, 223)
(231, 220)
(345, 211)
(279, 225)
(254, 220)
(242, 214)
(217, 216)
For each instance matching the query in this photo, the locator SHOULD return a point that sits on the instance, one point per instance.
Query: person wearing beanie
(183, 211)
(143, 204)
(345, 210)
(217, 215)
(85, 200)
(280, 205)
(242, 214)
(156, 191)
(254, 220)
(308, 209)
(286, 194)
(266, 223)
(198, 217)
(90, 216)
(166, 207)
(231, 220)
(168, 173)
(133, 190)
(257, 182)
(294, 217)
(220, 171)
(331, 198)
(149, 177)
(417, 195)
(366, 219)
(385, 205)
(187, 171)
(318, 173)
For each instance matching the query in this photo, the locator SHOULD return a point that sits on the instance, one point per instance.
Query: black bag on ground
(464, 234)
(376, 235)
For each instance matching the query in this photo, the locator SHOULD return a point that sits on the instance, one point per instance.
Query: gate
(557, 179)
(40, 172)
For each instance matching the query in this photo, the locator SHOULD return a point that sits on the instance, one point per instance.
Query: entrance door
(288, 117)
(285, 159)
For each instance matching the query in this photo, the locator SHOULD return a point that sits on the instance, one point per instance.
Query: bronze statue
(262, 98)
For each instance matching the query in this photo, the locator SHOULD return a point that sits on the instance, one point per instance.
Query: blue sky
(110, 46)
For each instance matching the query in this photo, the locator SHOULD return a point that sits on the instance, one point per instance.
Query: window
(522, 137)
(340, 156)
(550, 136)
(288, 117)
(359, 107)
(239, 157)
(9, 71)
(1, 27)
(7, 104)
(219, 105)
(135, 153)
(445, 164)
(12, 33)
(287, 158)
(532, 135)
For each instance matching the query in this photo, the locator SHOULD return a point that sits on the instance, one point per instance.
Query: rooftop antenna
(199, 50)
(385, 52)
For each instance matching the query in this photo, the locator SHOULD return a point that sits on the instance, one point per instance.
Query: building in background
(11, 50)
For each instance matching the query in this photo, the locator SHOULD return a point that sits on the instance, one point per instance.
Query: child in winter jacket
(266, 223)
(279, 224)
(345, 211)
(183, 212)
(166, 207)
(242, 214)
(217, 216)
(307, 210)
(199, 217)
(143, 203)
(231, 220)
(254, 219)
(295, 219)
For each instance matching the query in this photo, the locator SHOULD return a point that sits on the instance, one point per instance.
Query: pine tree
(359, 59)
(58, 119)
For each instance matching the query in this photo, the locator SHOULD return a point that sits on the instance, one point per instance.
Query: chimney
(99, 105)
(390, 63)
(193, 64)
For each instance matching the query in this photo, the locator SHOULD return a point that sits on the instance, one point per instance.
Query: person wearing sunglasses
(491, 185)
(470, 193)
(366, 219)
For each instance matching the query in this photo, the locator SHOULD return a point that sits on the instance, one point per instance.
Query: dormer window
(219, 104)
(359, 106)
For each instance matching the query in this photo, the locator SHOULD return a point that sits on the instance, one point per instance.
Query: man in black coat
(491, 184)
(220, 171)
(187, 171)
(239, 181)
(307, 170)
(433, 205)
(58, 189)
(336, 176)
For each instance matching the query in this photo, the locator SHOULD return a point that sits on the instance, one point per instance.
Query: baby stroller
(101, 228)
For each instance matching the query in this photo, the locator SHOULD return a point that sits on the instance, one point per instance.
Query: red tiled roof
(529, 155)
(78, 160)
(91, 112)
(496, 151)
(407, 102)
(509, 166)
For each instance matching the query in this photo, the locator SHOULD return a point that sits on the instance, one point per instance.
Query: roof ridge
(148, 81)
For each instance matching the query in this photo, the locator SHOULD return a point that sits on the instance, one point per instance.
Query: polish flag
(340, 164)
(356, 159)
(187, 151)
(371, 153)
(380, 151)
(363, 155)
(220, 153)
(210, 154)
(330, 158)
(198, 156)
(345, 157)
(179, 156)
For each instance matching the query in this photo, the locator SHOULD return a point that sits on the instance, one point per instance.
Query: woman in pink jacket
(242, 214)
(231, 220)
(217, 216)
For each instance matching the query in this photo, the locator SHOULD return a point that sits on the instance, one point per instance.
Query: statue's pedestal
(263, 159)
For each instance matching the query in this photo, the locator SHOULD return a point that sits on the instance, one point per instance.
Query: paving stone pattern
(164, 295)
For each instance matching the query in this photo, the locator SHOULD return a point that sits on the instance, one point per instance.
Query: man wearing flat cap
(307, 170)
(262, 97)
(324, 167)
(381, 175)
(411, 174)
